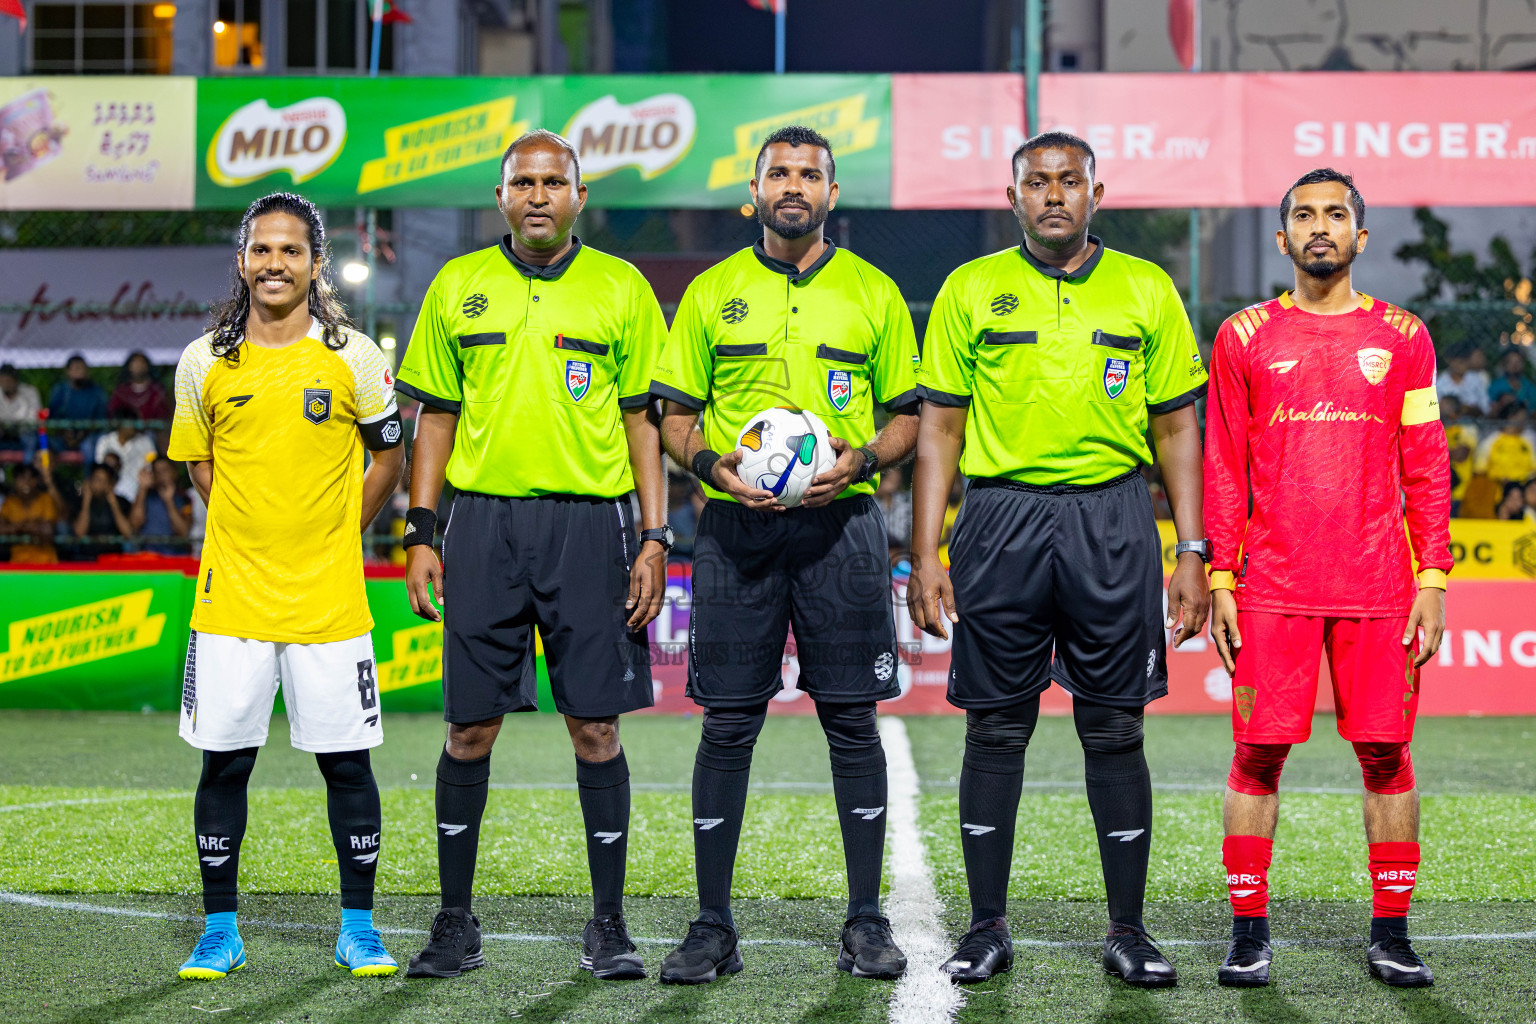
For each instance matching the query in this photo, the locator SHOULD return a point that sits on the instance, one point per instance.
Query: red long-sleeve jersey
(1331, 422)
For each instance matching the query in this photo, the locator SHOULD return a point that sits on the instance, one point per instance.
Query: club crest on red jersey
(1374, 363)
(839, 388)
(578, 378)
(1116, 373)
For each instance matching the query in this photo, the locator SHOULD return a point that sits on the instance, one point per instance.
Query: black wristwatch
(871, 464)
(662, 535)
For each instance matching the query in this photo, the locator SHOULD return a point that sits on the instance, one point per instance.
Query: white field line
(43, 805)
(74, 906)
(47, 903)
(924, 995)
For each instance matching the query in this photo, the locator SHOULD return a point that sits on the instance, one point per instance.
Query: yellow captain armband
(1428, 579)
(1224, 579)
(1421, 406)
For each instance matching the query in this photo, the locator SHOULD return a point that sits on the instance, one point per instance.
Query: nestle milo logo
(652, 134)
(257, 140)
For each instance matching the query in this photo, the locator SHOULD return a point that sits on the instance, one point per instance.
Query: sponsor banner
(117, 641)
(376, 142)
(1225, 139)
(645, 141)
(692, 140)
(106, 303)
(1483, 549)
(97, 143)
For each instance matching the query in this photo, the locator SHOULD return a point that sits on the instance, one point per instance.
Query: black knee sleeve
(219, 815)
(853, 739)
(996, 739)
(729, 736)
(1108, 730)
(350, 769)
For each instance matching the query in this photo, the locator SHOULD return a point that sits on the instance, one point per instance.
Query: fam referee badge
(1116, 372)
(839, 388)
(317, 404)
(578, 378)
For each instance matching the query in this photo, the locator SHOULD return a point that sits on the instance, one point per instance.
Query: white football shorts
(331, 692)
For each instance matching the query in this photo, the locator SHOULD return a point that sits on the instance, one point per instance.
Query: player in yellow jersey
(273, 410)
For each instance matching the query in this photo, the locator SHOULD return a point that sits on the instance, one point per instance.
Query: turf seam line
(45, 903)
(923, 994)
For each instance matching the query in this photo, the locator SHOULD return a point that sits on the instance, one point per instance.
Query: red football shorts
(1274, 692)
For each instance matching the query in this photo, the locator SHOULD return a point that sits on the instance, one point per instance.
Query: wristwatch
(662, 535)
(871, 464)
(1201, 547)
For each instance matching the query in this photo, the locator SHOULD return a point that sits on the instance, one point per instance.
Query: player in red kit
(1322, 407)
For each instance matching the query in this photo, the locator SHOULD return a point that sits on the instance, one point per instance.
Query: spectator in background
(1530, 499)
(19, 405)
(103, 513)
(1513, 505)
(1509, 456)
(895, 500)
(1512, 386)
(133, 449)
(1461, 440)
(138, 396)
(162, 508)
(77, 397)
(1459, 381)
(33, 507)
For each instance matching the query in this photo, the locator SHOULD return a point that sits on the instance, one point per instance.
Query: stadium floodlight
(354, 272)
(387, 342)
(219, 27)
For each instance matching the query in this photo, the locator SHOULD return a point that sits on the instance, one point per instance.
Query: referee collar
(548, 273)
(1080, 274)
(789, 270)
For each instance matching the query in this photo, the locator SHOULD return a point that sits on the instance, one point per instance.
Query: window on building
(335, 37)
(237, 38)
(102, 38)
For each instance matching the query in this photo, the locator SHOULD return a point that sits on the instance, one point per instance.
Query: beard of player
(787, 229)
(1320, 267)
(1054, 243)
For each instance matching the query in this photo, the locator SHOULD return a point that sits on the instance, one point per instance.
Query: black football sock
(859, 790)
(991, 777)
(721, 771)
(603, 787)
(462, 787)
(352, 803)
(1120, 797)
(1381, 927)
(1258, 927)
(218, 815)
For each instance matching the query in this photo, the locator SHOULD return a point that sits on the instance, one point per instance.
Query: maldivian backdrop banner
(670, 141)
(95, 143)
(117, 640)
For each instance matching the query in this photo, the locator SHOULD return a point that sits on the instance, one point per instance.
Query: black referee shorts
(560, 564)
(1077, 569)
(823, 571)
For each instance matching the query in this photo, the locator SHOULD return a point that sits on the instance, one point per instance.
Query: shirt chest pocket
(1114, 369)
(748, 367)
(585, 371)
(1008, 367)
(843, 380)
(487, 363)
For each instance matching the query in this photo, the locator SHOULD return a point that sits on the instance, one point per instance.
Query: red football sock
(1394, 870)
(1247, 862)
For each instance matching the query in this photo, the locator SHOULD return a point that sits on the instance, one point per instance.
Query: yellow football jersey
(282, 555)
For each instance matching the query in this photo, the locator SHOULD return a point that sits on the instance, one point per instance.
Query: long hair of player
(227, 321)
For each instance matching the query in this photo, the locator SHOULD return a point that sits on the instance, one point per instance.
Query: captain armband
(1420, 406)
(382, 431)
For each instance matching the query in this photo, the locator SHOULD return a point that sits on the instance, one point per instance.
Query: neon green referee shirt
(753, 332)
(1060, 371)
(537, 362)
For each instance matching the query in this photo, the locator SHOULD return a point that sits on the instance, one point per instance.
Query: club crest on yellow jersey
(317, 404)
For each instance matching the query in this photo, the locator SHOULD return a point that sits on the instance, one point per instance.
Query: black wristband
(420, 527)
(704, 465)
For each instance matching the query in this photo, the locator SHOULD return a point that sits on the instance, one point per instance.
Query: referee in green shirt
(793, 321)
(1042, 368)
(532, 362)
